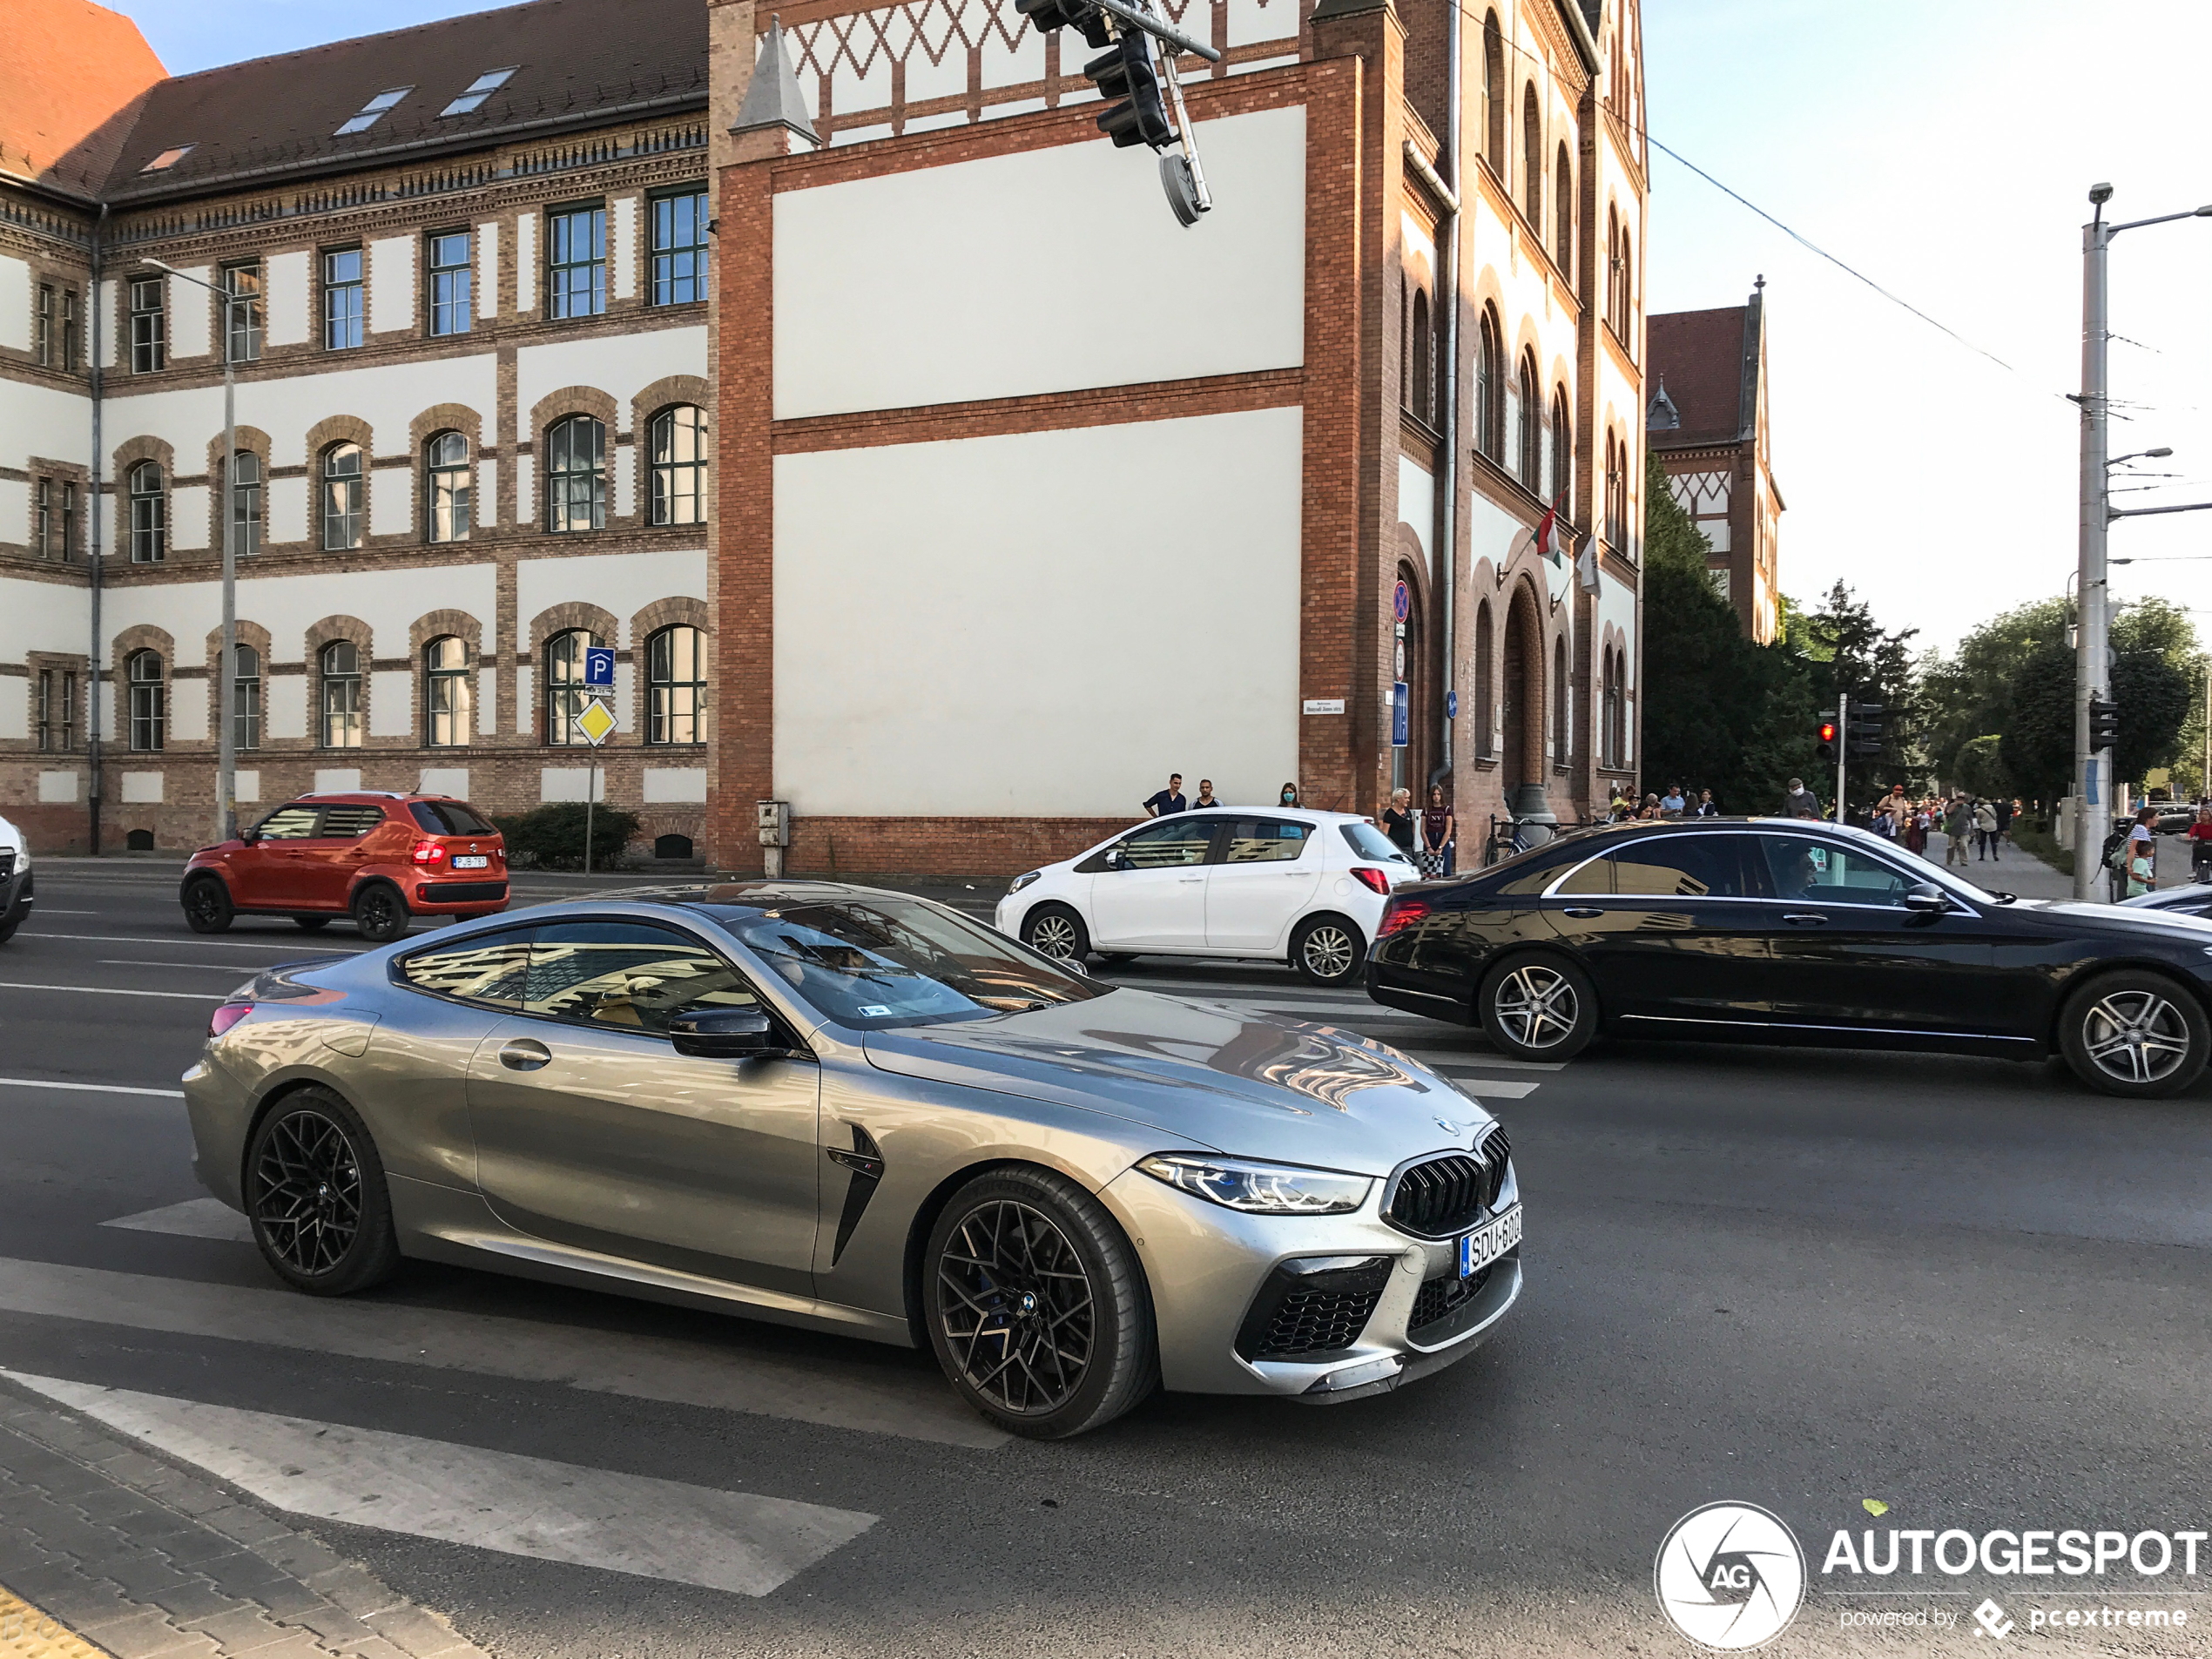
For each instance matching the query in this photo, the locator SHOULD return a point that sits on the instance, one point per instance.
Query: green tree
(1979, 768)
(1967, 694)
(2038, 721)
(1848, 652)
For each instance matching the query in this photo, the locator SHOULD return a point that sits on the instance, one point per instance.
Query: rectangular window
(69, 520)
(69, 330)
(449, 297)
(47, 712)
(68, 710)
(42, 519)
(242, 312)
(679, 248)
(341, 298)
(576, 262)
(46, 340)
(149, 334)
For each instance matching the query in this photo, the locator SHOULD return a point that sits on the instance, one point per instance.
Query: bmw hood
(1206, 1076)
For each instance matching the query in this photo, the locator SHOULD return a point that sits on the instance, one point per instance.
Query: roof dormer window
(473, 96)
(169, 158)
(373, 111)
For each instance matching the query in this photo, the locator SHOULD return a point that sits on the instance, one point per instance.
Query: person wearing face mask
(1289, 795)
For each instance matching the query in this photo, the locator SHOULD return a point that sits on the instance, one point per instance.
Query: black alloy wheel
(315, 1194)
(2136, 1035)
(380, 914)
(1036, 1305)
(311, 923)
(1056, 931)
(207, 906)
(1538, 1007)
(1328, 950)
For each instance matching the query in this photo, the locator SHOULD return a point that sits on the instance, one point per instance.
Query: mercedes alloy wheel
(2135, 1034)
(1539, 1008)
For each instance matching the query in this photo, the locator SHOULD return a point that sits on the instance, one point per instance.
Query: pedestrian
(1652, 809)
(2142, 854)
(1398, 820)
(1957, 828)
(1205, 795)
(1707, 806)
(1289, 796)
(2005, 808)
(1800, 802)
(1672, 803)
(1985, 829)
(1916, 830)
(1620, 807)
(1438, 840)
(1897, 809)
(2201, 846)
(1169, 799)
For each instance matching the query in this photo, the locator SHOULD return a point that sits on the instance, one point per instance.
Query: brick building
(1707, 422)
(907, 523)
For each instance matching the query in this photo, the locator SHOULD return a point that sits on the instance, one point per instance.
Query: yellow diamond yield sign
(595, 722)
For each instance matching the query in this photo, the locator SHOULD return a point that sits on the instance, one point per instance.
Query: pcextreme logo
(1729, 1576)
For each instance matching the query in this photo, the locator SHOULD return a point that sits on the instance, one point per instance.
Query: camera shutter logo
(1729, 1576)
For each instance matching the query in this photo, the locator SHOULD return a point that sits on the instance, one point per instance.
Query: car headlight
(1022, 881)
(1260, 1188)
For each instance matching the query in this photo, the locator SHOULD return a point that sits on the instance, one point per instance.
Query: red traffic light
(1828, 732)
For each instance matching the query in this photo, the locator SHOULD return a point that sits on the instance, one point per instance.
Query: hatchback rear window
(1371, 843)
(449, 817)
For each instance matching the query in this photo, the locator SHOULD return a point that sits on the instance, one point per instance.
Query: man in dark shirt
(1169, 799)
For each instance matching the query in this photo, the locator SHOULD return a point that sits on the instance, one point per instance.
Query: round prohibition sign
(1401, 601)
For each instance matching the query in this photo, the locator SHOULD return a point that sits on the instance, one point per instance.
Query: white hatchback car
(1267, 883)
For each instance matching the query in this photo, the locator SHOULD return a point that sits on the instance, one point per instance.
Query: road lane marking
(194, 1219)
(202, 967)
(738, 1541)
(298, 948)
(49, 910)
(1487, 1088)
(112, 990)
(88, 1088)
(1478, 1057)
(717, 1374)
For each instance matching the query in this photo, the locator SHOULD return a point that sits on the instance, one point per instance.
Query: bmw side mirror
(726, 1034)
(1926, 900)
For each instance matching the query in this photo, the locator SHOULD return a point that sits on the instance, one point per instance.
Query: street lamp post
(227, 694)
(2091, 650)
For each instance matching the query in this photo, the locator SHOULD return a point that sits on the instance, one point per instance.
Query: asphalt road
(1967, 1289)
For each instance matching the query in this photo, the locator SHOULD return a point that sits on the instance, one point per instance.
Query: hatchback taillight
(1369, 877)
(1402, 913)
(226, 1016)
(428, 853)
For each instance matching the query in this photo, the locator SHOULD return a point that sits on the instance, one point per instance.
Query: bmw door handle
(1803, 919)
(525, 1054)
(1582, 912)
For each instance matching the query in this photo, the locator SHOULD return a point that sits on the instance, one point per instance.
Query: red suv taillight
(226, 1016)
(428, 853)
(1402, 913)
(1371, 879)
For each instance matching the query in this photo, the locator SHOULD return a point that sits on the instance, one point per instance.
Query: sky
(1944, 151)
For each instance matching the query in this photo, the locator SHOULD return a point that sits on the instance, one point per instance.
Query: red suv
(381, 858)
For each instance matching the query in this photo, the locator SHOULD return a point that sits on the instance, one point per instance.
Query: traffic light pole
(2089, 635)
(1843, 749)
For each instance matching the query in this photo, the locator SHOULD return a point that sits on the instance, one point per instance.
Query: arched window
(245, 698)
(447, 496)
(149, 515)
(1561, 696)
(449, 693)
(1493, 93)
(342, 483)
(1485, 694)
(340, 664)
(1532, 159)
(1489, 394)
(246, 502)
(1563, 215)
(678, 442)
(1612, 308)
(1617, 493)
(565, 691)
(1627, 327)
(576, 475)
(1419, 397)
(149, 700)
(1531, 459)
(675, 680)
(1561, 486)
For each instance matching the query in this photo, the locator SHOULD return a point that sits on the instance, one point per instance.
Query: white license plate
(1488, 1242)
(476, 861)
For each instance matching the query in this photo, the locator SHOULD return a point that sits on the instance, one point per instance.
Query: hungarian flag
(1586, 567)
(1547, 532)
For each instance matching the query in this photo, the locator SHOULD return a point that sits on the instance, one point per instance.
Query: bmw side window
(628, 975)
(1679, 866)
(487, 968)
(1266, 841)
(293, 823)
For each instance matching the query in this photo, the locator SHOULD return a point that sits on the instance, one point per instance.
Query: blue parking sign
(598, 665)
(1400, 714)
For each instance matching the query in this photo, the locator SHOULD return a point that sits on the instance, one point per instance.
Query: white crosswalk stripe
(194, 1218)
(463, 1494)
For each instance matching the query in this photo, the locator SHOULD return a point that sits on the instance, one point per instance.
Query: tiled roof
(575, 62)
(70, 80)
(1700, 356)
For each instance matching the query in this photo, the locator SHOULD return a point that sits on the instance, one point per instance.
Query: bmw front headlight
(1022, 881)
(1259, 1188)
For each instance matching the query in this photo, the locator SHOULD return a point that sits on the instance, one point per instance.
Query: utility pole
(1842, 751)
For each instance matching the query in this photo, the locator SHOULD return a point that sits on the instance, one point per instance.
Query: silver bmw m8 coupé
(862, 1112)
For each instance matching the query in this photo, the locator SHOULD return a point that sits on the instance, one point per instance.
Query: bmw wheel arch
(1538, 1005)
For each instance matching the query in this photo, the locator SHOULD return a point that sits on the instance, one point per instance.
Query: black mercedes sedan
(1785, 931)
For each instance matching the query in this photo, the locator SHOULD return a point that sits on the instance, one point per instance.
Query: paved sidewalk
(2014, 870)
(149, 1560)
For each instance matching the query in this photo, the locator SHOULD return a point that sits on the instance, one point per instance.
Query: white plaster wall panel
(621, 247)
(390, 712)
(286, 300)
(620, 582)
(487, 708)
(957, 566)
(668, 784)
(246, 787)
(46, 421)
(42, 616)
(623, 464)
(188, 701)
(487, 493)
(978, 308)
(287, 509)
(860, 71)
(860, 135)
(14, 303)
(337, 780)
(388, 601)
(285, 704)
(190, 528)
(1256, 20)
(60, 788)
(934, 123)
(192, 313)
(525, 715)
(1004, 63)
(1417, 500)
(565, 783)
(16, 695)
(444, 780)
(625, 687)
(528, 510)
(1492, 533)
(103, 311)
(141, 788)
(15, 508)
(938, 66)
(485, 298)
(525, 265)
(391, 284)
(619, 365)
(390, 505)
(388, 396)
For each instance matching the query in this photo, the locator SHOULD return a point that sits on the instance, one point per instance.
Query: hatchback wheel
(379, 913)
(207, 906)
(315, 1193)
(2136, 1035)
(1036, 1305)
(1057, 931)
(1327, 950)
(1539, 1008)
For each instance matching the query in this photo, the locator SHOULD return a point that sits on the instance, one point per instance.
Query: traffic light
(1867, 722)
(1827, 730)
(2104, 723)
(1126, 73)
(1045, 15)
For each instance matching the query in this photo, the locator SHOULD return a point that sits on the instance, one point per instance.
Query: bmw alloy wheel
(1537, 1005)
(2135, 1036)
(308, 1196)
(1016, 1307)
(1328, 951)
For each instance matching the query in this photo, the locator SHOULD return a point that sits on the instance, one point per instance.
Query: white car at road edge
(1266, 884)
(14, 879)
